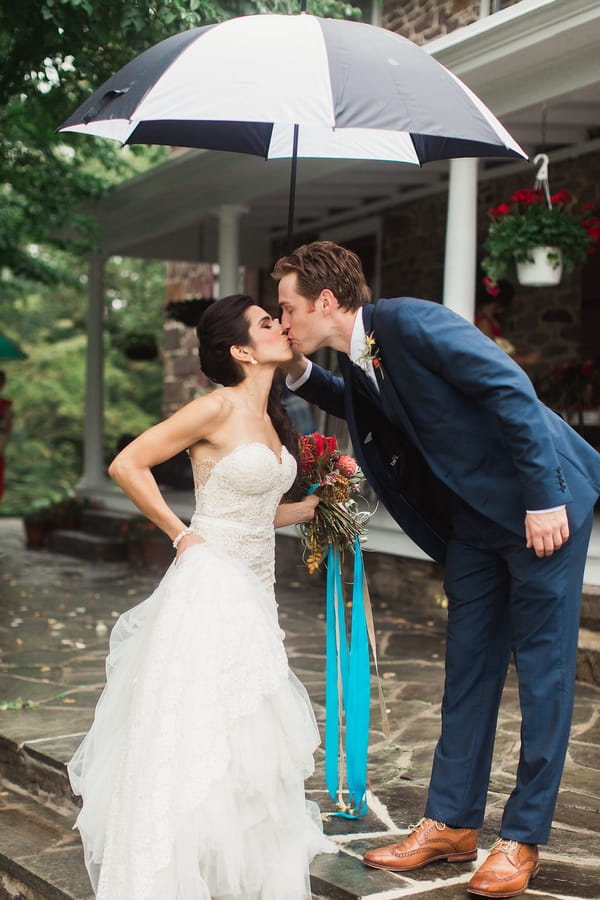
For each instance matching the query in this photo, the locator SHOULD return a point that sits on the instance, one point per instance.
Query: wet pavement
(55, 616)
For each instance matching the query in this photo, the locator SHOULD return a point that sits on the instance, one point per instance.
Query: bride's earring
(253, 361)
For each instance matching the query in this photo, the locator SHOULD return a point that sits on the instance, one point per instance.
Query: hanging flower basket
(530, 221)
(139, 346)
(188, 312)
(541, 267)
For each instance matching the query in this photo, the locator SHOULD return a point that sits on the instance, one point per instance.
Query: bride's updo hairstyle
(224, 325)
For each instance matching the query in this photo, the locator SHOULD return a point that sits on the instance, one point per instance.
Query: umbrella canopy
(356, 90)
(10, 350)
(294, 86)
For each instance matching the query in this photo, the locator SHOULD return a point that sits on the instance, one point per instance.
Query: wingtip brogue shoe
(507, 871)
(428, 842)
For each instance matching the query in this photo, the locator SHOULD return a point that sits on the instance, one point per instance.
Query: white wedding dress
(192, 772)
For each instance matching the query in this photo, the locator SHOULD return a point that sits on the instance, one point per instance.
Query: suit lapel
(389, 397)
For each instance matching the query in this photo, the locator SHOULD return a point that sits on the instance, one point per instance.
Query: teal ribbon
(347, 687)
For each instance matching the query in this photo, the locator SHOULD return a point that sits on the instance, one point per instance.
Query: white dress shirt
(357, 349)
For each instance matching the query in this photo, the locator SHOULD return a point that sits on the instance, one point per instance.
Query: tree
(53, 53)
(45, 450)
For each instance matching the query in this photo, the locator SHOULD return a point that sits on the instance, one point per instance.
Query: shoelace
(423, 822)
(505, 845)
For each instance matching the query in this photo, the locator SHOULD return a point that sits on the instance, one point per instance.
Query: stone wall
(547, 318)
(183, 378)
(424, 20)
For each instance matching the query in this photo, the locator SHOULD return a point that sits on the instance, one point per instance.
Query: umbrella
(10, 350)
(294, 86)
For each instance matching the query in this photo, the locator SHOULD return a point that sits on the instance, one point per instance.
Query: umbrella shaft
(292, 198)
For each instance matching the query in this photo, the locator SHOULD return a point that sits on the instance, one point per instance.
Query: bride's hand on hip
(186, 542)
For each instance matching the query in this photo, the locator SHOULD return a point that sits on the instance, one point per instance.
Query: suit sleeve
(478, 377)
(324, 390)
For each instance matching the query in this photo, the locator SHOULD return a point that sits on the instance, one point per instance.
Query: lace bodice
(236, 499)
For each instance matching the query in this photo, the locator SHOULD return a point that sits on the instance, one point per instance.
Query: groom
(487, 480)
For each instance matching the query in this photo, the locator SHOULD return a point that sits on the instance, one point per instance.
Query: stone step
(85, 545)
(39, 769)
(588, 656)
(40, 855)
(590, 607)
(104, 522)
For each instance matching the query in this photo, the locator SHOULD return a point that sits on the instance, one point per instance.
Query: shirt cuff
(534, 512)
(294, 385)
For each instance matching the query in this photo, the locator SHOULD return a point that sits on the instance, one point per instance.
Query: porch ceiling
(535, 64)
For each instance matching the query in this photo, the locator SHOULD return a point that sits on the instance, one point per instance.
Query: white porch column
(461, 238)
(229, 247)
(94, 469)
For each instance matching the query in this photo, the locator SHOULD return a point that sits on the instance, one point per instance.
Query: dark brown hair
(325, 265)
(223, 326)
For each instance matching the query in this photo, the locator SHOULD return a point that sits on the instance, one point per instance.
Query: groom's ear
(327, 300)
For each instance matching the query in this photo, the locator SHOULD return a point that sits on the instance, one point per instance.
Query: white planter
(545, 270)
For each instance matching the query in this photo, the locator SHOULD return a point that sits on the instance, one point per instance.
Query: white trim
(534, 51)
(510, 30)
(494, 174)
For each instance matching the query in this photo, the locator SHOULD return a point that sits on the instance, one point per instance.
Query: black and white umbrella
(294, 86)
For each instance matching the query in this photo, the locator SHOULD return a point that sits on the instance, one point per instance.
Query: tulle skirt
(192, 774)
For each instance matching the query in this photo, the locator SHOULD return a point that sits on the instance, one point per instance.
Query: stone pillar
(229, 278)
(461, 238)
(94, 469)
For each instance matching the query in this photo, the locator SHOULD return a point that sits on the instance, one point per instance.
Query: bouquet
(336, 477)
(339, 524)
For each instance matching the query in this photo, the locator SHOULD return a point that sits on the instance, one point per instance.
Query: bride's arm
(292, 513)
(131, 469)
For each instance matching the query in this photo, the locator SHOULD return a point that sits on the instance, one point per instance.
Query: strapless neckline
(215, 462)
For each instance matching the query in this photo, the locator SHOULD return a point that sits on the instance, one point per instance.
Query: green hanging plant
(527, 221)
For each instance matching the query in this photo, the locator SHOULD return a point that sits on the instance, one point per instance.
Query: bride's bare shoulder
(212, 409)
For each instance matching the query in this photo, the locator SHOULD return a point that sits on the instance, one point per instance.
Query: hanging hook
(541, 178)
(542, 172)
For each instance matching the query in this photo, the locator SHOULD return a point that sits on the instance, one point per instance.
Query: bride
(192, 772)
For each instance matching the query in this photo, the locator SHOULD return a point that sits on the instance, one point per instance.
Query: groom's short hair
(325, 265)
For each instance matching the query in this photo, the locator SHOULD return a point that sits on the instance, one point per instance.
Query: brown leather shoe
(507, 871)
(428, 842)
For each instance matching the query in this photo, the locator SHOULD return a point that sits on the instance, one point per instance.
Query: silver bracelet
(181, 535)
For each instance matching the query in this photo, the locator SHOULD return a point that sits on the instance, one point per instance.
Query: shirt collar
(357, 338)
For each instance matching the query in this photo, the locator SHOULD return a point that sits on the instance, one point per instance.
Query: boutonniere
(370, 354)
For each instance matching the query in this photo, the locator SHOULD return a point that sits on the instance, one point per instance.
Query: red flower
(498, 211)
(528, 197)
(561, 198)
(337, 475)
(491, 287)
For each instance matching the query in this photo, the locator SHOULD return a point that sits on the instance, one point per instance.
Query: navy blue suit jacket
(454, 414)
